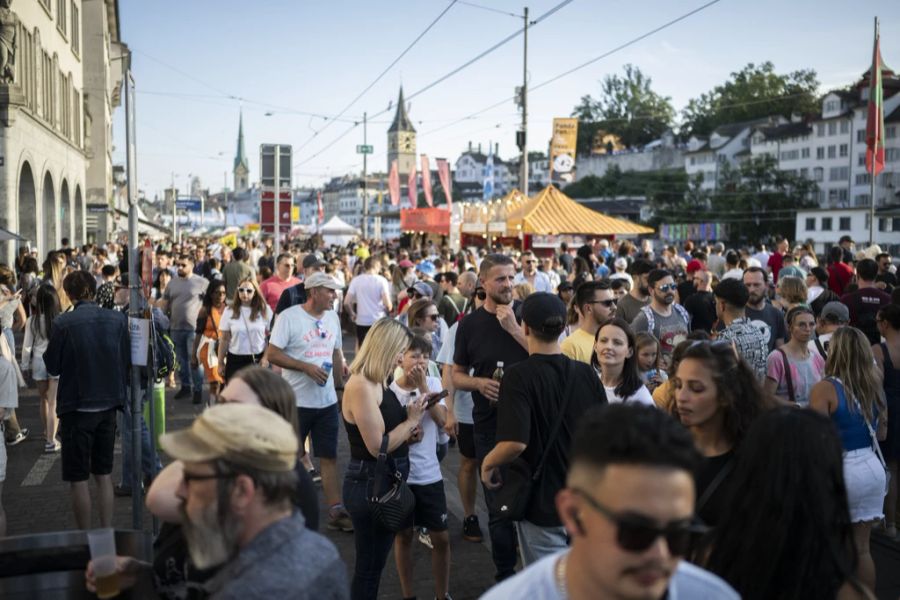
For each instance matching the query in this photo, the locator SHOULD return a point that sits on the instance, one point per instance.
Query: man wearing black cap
(533, 393)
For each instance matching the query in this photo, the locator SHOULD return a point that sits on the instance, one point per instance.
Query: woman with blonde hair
(243, 330)
(376, 423)
(852, 396)
(54, 273)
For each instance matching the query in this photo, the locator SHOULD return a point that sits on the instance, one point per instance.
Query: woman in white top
(37, 336)
(243, 330)
(615, 360)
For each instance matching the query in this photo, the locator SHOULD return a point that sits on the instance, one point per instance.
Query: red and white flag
(321, 209)
(875, 118)
(412, 188)
(443, 168)
(426, 180)
(394, 184)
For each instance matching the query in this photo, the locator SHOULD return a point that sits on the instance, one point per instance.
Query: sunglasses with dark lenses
(245, 290)
(434, 317)
(607, 303)
(636, 533)
(669, 287)
(480, 294)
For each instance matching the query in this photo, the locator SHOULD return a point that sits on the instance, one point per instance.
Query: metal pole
(134, 285)
(874, 150)
(523, 181)
(365, 227)
(225, 187)
(277, 238)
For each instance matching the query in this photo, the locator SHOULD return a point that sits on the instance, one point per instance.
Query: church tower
(241, 169)
(402, 140)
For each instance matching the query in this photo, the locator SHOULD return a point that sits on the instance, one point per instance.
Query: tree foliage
(754, 92)
(627, 107)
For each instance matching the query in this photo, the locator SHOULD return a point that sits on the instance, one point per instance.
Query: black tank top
(393, 414)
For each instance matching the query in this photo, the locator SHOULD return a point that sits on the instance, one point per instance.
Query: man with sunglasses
(594, 302)
(628, 508)
(667, 320)
(182, 301)
(530, 274)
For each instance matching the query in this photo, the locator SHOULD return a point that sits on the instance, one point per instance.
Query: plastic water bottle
(326, 366)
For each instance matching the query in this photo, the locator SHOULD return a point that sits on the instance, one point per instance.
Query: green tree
(627, 107)
(754, 92)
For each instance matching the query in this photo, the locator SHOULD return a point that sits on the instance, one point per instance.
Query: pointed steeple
(240, 159)
(401, 119)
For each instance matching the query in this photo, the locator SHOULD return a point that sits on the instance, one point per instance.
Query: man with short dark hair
(765, 317)
(90, 351)
(639, 295)
(817, 292)
(839, 270)
(833, 316)
(664, 318)
(283, 278)
(777, 259)
(368, 298)
(701, 305)
(182, 301)
(236, 271)
(886, 278)
(628, 508)
(867, 300)
(594, 302)
(453, 302)
(538, 280)
(533, 393)
(731, 298)
(294, 295)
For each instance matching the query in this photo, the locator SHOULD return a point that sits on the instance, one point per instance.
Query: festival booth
(551, 217)
(426, 224)
(337, 232)
(485, 223)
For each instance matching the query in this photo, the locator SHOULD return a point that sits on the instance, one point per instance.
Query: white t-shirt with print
(247, 336)
(424, 468)
(305, 338)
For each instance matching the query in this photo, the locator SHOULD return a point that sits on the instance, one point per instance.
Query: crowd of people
(643, 420)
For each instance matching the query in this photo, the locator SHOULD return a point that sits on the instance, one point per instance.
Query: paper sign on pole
(139, 330)
(562, 150)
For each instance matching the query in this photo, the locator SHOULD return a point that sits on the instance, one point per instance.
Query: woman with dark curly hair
(717, 397)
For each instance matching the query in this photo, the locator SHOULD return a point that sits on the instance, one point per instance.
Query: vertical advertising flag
(562, 150)
(875, 118)
(444, 175)
(426, 181)
(394, 184)
(321, 209)
(489, 174)
(411, 188)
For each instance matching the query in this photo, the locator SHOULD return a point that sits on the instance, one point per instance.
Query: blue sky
(193, 59)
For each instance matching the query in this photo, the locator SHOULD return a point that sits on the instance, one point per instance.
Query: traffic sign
(364, 149)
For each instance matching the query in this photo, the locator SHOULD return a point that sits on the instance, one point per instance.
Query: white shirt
(462, 401)
(824, 339)
(305, 338)
(733, 274)
(424, 468)
(538, 582)
(641, 396)
(368, 291)
(814, 292)
(541, 281)
(247, 337)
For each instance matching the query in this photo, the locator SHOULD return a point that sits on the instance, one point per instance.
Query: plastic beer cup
(103, 556)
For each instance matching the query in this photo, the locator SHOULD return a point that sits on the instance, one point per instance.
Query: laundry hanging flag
(875, 119)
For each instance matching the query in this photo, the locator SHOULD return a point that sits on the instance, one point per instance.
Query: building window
(61, 16)
(838, 173)
(882, 224)
(804, 172)
(832, 152)
(861, 162)
(804, 153)
(810, 223)
(818, 174)
(820, 153)
(890, 132)
(820, 130)
(76, 29)
(844, 224)
(843, 195)
(895, 224)
(861, 200)
(860, 136)
(844, 150)
(863, 178)
(892, 154)
(832, 105)
(693, 161)
(826, 223)
(832, 128)
(845, 127)
(790, 155)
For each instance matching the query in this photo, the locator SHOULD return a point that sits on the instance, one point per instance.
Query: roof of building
(704, 147)
(551, 212)
(401, 119)
(729, 130)
(786, 130)
(240, 157)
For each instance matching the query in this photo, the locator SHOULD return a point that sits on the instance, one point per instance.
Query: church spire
(240, 158)
(401, 119)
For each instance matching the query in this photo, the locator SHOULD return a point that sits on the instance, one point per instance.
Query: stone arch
(49, 215)
(65, 212)
(79, 217)
(27, 205)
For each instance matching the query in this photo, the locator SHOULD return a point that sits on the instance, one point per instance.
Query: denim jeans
(501, 530)
(150, 464)
(373, 543)
(536, 542)
(184, 345)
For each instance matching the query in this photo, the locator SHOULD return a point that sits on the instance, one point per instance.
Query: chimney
(479, 147)
(497, 149)
(470, 145)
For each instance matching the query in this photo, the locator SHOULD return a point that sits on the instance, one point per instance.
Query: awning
(426, 220)
(6, 236)
(551, 213)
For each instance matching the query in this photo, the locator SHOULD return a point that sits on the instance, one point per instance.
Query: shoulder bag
(249, 338)
(876, 447)
(787, 376)
(519, 479)
(393, 508)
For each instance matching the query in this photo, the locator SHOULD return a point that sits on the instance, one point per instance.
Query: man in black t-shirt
(866, 301)
(885, 280)
(531, 398)
(489, 336)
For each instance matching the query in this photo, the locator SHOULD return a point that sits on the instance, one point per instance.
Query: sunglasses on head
(636, 533)
(320, 329)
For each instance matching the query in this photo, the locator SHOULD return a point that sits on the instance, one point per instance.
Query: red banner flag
(443, 168)
(321, 209)
(394, 184)
(875, 119)
(413, 191)
(426, 181)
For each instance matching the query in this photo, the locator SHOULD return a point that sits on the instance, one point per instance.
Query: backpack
(165, 360)
(651, 321)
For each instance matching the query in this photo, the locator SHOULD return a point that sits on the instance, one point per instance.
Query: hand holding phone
(432, 399)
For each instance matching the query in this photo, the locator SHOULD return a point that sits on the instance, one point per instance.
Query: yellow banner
(229, 240)
(562, 149)
(295, 214)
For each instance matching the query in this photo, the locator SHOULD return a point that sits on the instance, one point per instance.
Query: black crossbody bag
(392, 509)
(519, 480)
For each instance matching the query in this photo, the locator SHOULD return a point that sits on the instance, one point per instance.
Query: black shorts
(466, 440)
(361, 332)
(88, 442)
(431, 506)
(321, 425)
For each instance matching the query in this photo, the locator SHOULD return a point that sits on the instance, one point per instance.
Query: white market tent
(337, 232)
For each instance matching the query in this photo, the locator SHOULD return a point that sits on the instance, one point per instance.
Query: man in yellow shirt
(595, 303)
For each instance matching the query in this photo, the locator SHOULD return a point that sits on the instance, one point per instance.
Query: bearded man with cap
(236, 505)
(533, 393)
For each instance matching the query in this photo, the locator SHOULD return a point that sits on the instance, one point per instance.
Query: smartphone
(436, 398)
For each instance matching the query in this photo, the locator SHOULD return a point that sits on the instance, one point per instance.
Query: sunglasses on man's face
(669, 287)
(607, 303)
(636, 533)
